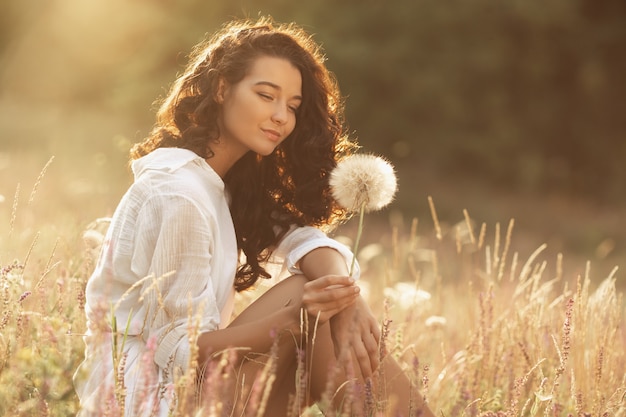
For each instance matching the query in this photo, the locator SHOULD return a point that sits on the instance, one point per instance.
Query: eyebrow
(276, 87)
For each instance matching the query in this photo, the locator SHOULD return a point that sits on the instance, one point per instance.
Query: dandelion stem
(358, 237)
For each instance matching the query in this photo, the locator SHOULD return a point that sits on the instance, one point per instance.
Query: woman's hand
(335, 297)
(356, 336)
(328, 295)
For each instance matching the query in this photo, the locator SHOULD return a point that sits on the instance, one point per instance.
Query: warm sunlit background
(507, 109)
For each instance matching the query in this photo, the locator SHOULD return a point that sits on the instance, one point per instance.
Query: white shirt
(170, 250)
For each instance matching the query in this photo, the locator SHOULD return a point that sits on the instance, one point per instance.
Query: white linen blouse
(170, 249)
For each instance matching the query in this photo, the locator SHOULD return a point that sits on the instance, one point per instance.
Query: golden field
(483, 328)
(508, 110)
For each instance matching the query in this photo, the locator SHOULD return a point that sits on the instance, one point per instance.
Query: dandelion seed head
(406, 296)
(93, 239)
(363, 180)
(436, 322)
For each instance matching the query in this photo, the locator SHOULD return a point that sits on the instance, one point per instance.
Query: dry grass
(482, 329)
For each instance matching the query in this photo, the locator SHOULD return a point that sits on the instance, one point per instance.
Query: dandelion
(406, 295)
(436, 322)
(363, 183)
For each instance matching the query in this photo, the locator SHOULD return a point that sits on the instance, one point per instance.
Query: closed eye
(294, 104)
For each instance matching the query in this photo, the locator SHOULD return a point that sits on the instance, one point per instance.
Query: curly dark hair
(269, 194)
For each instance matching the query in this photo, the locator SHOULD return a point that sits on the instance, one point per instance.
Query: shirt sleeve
(301, 240)
(175, 244)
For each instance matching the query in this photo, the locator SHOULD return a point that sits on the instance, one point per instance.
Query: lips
(272, 134)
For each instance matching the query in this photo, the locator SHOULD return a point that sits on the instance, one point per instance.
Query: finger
(375, 332)
(338, 305)
(345, 357)
(347, 363)
(320, 317)
(362, 358)
(326, 311)
(370, 325)
(340, 294)
(332, 307)
(342, 350)
(371, 345)
(329, 280)
(337, 295)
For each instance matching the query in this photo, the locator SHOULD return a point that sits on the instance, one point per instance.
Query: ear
(221, 91)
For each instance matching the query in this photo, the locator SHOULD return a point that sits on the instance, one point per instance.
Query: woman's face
(259, 112)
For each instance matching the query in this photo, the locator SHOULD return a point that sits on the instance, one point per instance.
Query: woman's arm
(354, 329)
(251, 336)
(278, 311)
(323, 261)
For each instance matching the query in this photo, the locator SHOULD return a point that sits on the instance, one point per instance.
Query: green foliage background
(527, 94)
(521, 97)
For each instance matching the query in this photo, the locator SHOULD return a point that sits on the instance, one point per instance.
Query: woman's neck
(224, 157)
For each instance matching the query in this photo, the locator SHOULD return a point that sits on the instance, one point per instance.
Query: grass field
(485, 326)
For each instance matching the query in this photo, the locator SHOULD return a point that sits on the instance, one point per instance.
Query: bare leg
(403, 397)
(390, 384)
(286, 354)
(316, 368)
(319, 365)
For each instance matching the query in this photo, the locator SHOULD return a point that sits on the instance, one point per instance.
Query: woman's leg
(390, 383)
(319, 365)
(311, 353)
(250, 386)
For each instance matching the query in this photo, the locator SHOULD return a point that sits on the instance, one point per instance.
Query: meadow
(484, 326)
(513, 307)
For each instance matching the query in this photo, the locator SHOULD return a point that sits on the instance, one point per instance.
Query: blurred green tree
(517, 94)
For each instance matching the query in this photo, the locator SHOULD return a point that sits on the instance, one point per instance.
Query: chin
(265, 152)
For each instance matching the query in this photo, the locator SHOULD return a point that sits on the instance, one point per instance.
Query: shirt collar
(170, 160)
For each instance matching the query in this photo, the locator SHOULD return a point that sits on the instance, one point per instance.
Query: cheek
(239, 119)
(292, 124)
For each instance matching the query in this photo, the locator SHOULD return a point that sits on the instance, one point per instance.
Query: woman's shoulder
(177, 171)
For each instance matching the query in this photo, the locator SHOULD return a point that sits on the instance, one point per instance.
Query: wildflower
(435, 322)
(406, 295)
(93, 239)
(24, 296)
(363, 183)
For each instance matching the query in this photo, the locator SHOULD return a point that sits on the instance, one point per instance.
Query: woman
(233, 176)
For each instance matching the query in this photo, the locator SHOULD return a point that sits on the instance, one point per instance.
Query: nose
(280, 114)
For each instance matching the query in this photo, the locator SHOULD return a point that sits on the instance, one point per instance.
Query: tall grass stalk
(482, 329)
